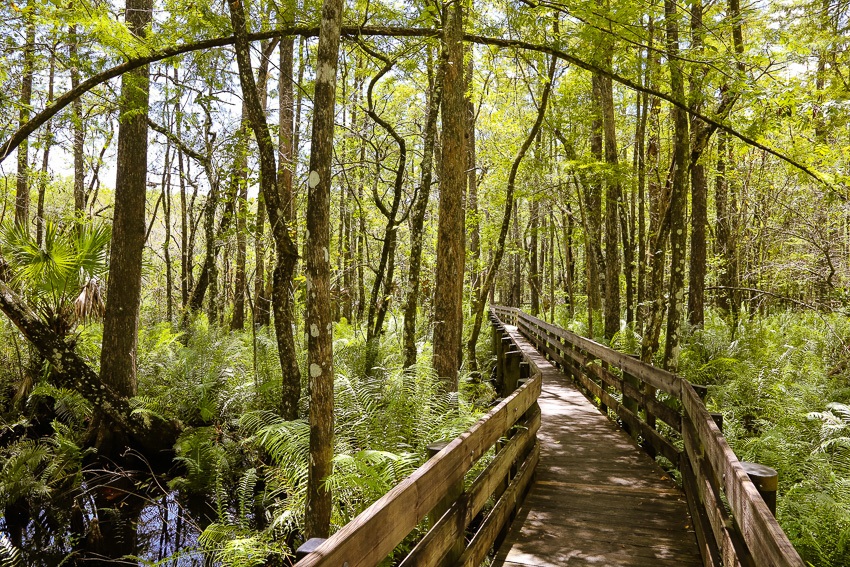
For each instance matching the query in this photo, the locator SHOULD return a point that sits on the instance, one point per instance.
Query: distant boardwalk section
(598, 498)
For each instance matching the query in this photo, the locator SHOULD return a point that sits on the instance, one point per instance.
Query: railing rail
(733, 524)
(436, 490)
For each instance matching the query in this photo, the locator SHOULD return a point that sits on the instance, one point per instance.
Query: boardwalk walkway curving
(598, 499)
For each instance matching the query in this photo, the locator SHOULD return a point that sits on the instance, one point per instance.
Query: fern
(10, 556)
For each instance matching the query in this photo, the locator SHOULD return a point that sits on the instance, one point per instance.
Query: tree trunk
(699, 186)
(451, 255)
(317, 264)
(166, 245)
(78, 126)
(678, 193)
(533, 271)
(472, 190)
(382, 286)
(286, 252)
(510, 206)
(593, 208)
(659, 230)
(152, 436)
(45, 160)
(123, 295)
(22, 193)
(237, 322)
(613, 196)
(420, 207)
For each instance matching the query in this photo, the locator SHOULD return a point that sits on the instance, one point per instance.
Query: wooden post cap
(702, 391)
(308, 547)
(435, 448)
(765, 478)
(718, 420)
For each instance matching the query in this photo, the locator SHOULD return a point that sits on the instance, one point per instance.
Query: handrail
(742, 533)
(435, 490)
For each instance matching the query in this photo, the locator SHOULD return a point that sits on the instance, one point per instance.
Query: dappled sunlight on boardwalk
(598, 499)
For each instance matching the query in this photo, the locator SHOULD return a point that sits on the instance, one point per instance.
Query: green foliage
(31, 470)
(778, 381)
(383, 422)
(61, 276)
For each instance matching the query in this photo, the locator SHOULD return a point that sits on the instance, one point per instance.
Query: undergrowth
(782, 383)
(236, 455)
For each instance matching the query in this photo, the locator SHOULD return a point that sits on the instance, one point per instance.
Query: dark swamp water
(111, 519)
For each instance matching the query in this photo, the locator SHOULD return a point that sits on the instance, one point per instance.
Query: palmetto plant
(62, 276)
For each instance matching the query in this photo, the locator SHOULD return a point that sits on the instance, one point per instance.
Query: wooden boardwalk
(598, 499)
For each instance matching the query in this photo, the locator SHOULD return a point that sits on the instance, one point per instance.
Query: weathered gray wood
(597, 498)
(705, 535)
(766, 481)
(764, 537)
(656, 377)
(453, 545)
(500, 514)
(437, 542)
(371, 536)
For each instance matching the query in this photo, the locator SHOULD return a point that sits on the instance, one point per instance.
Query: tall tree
(22, 194)
(510, 211)
(699, 184)
(77, 123)
(419, 208)
(451, 230)
(123, 294)
(318, 272)
(678, 191)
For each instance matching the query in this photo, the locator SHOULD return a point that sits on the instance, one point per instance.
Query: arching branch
(9, 145)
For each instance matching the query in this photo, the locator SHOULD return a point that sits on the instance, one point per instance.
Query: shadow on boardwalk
(598, 499)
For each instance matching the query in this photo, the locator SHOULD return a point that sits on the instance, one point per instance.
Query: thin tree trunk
(723, 232)
(569, 260)
(551, 264)
(643, 103)
(533, 271)
(451, 256)
(472, 189)
(516, 271)
(490, 278)
(382, 286)
(659, 230)
(123, 295)
(613, 206)
(166, 245)
(420, 207)
(237, 322)
(45, 160)
(593, 207)
(285, 249)
(699, 187)
(22, 193)
(317, 264)
(78, 126)
(678, 193)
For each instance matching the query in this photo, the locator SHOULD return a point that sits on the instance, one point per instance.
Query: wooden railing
(733, 524)
(435, 491)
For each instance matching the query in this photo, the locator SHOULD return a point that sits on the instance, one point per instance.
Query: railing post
(452, 495)
(766, 480)
(513, 359)
(308, 547)
(628, 402)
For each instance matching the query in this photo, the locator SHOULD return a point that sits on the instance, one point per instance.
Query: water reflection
(113, 518)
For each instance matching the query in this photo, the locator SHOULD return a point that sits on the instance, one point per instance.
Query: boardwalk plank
(598, 499)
